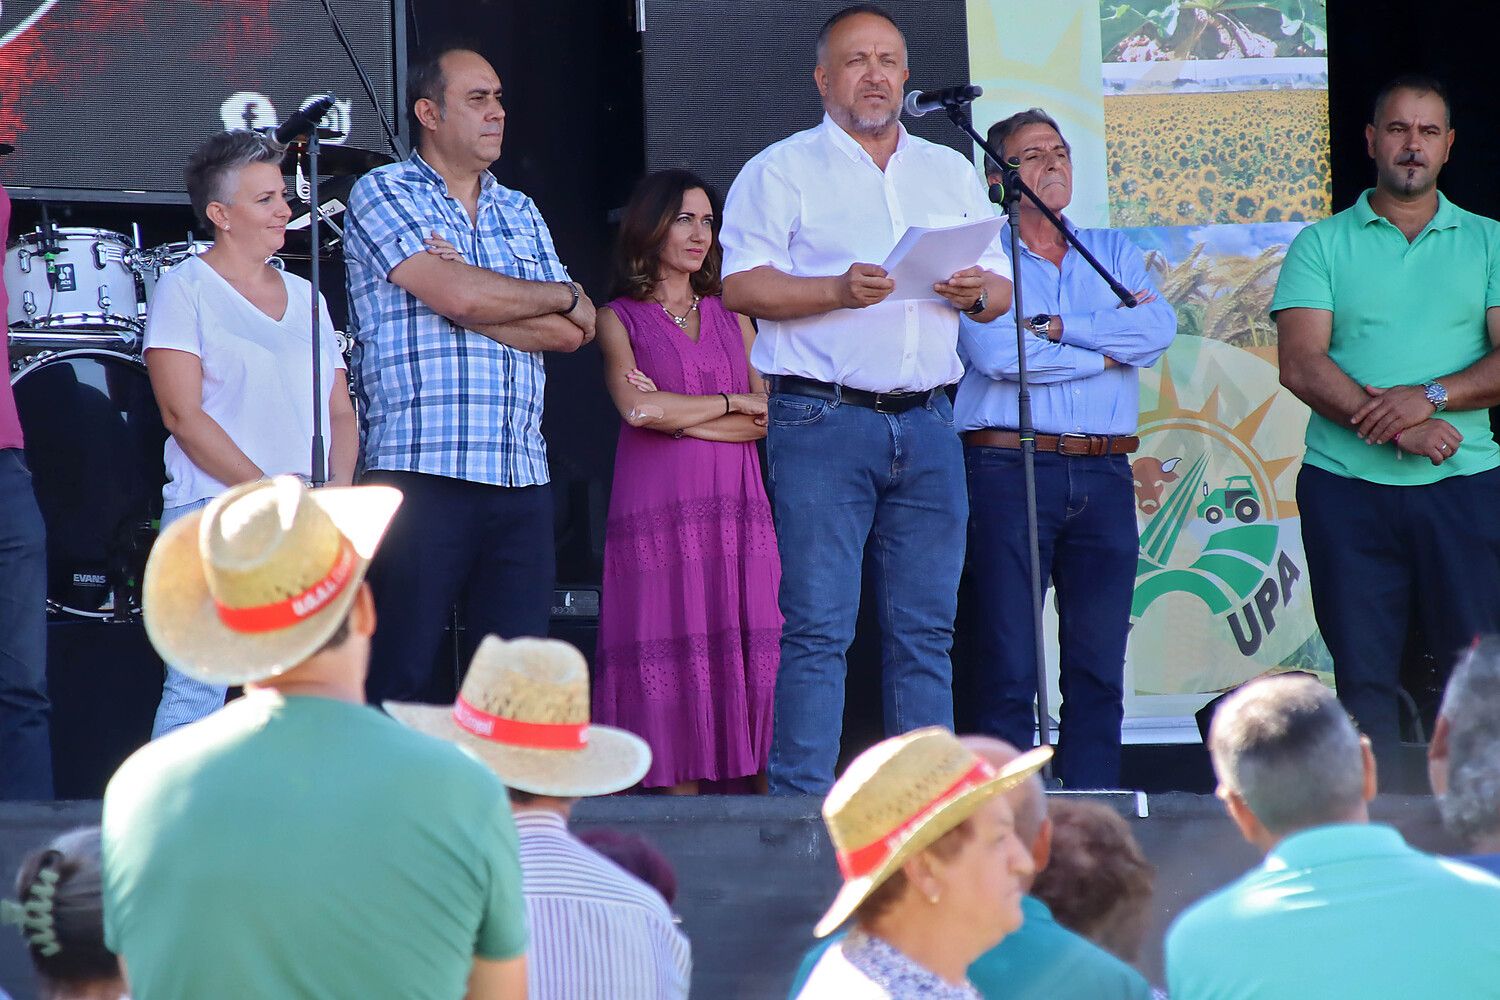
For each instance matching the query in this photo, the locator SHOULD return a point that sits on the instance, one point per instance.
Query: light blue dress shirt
(1071, 390)
(1344, 910)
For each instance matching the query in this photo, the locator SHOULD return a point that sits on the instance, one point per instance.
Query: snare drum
(94, 440)
(92, 286)
(152, 264)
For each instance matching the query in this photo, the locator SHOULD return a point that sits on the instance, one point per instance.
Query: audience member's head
(638, 856)
(1097, 881)
(926, 840)
(524, 710)
(265, 586)
(1287, 758)
(59, 911)
(1463, 759)
(1028, 802)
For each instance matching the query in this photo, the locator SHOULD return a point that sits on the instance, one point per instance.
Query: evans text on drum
(94, 442)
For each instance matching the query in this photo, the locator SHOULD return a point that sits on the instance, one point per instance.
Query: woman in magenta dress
(689, 630)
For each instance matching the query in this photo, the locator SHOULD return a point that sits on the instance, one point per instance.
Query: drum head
(94, 440)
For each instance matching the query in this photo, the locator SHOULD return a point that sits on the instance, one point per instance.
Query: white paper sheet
(922, 257)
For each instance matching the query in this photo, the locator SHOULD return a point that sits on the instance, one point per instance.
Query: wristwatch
(1041, 325)
(981, 305)
(1436, 394)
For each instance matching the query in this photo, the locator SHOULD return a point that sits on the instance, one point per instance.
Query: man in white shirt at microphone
(861, 442)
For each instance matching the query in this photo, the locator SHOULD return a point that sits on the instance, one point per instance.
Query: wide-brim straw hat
(524, 711)
(257, 581)
(900, 796)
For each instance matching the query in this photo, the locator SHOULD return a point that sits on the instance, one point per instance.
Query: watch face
(1040, 322)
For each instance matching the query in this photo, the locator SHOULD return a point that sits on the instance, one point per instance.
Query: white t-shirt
(257, 371)
(811, 205)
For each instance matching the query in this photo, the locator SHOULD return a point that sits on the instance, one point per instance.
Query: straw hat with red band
(524, 711)
(900, 796)
(257, 581)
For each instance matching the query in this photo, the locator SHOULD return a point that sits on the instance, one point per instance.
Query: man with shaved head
(1043, 960)
(861, 444)
(1340, 907)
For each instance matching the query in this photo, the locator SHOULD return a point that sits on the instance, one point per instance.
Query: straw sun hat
(524, 711)
(900, 796)
(256, 582)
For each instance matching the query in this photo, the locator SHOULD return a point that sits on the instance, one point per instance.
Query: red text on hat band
(864, 860)
(513, 732)
(298, 607)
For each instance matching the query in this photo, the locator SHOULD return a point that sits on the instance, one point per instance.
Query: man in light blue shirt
(1341, 907)
(1082, 359)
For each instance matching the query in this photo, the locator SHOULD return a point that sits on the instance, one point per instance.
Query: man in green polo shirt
(1388, 315)
(1043, 960)
(1340, 907)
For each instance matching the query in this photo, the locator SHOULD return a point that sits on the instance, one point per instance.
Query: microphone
(920, 102)
(304, 120)
(49, 248)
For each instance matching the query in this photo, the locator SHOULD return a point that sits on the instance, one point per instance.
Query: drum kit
(78, 302)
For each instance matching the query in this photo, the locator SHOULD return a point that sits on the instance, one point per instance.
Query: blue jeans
(25, 749)
(1087, 545)
(843, 476)
(183, 698)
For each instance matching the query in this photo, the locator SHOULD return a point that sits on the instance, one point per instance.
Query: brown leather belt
(1063, 444)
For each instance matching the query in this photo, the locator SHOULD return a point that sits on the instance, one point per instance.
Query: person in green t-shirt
(1388, 315)
(298, 843)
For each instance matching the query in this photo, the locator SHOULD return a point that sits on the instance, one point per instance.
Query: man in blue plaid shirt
(455, 290)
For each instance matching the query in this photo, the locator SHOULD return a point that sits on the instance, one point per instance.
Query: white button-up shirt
(815, 203)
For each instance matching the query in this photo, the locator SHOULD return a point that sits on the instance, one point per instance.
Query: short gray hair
(1286, 746)
(1007, 127)
(1471, 704)
(214, 167)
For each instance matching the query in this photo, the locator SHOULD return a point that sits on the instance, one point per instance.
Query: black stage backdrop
(105, 96)
(724, 81)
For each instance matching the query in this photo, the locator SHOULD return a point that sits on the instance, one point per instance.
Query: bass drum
(94, 440)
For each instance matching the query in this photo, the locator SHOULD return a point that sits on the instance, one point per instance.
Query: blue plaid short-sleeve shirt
(437, 398)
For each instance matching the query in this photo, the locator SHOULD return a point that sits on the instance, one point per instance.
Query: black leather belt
(880, 402)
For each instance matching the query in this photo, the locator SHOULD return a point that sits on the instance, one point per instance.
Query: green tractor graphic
(1237, 496)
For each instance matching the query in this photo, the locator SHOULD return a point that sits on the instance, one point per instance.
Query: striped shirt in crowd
(436, 398)
(597, 932)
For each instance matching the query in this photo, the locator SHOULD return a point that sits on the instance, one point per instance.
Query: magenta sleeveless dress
(689, 628)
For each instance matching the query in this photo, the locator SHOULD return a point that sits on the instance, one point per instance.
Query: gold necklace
(681, 321)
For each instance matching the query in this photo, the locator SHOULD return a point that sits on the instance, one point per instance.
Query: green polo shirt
(1043, 960)
(1345, 910)
(1403, 313)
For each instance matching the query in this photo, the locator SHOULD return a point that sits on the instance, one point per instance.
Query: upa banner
(1201, 130)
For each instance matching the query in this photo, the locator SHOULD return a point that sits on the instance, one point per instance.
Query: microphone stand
(319, 468)
(1009, 197)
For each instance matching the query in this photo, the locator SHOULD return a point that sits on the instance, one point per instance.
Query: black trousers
(488, 550)
(1377, 554)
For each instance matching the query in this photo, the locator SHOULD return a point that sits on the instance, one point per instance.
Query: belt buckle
(1085, 440)
(883, 403)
